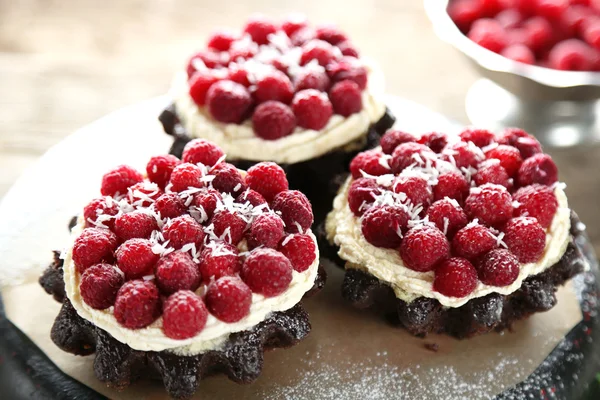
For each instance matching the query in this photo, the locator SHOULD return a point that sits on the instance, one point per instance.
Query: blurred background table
(66, 63)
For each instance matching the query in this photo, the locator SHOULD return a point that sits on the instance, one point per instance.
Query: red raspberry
(361, 194)
(330, 34)
(407, 154)
(312, 109)
(552, 9)
(455, 277)
(267, 178)
(275, 86)
(259, 28)
(489, 8)
(293, 23)
(423, 247)
(228, 226)
(229, 299)
(239, 74)
(464, 155)
(312, 78)
(524, 142)
(479, 137)
(436, 141)
(137, 304)
(371, 162)
(218, 260)
(571, 55)
(539, 168)
(227, 179)
(473, 241)
(177, 271)
(384, 226)
(393, 138)
(303, 36)
(519, 53)
(242, 50)
(464, 13)
(591, 33)
(183, 230)
(159, 169)
(448, 216)
(301, 250)
(273, 120)
(184, 315)
(266, 230)
(536, 201)
(99, 285)
(417, 190)
(509, 18)
(491, 204)
(207, 201)
(210, 59)
(573, 21)
(143, 194)
(348, 69)
(136, 224)
(490, 34)
(228, 102)
(346, 98)
(252, 197)
(93, 246)
(169, 205)
(490, 171)
(200, 82)
(221, 40)
(136, 258)
(101, 211)
(184, 177)
(295, 210)
(539, 33)
(498, 268)
(117, 181)
(267, 272)
(348, 49)
(452, 185)
(525, 238)
(509, 157)
(318, 50)
(202, 151)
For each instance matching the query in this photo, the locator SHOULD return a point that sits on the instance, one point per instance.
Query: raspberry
(259, 28)
(228, 226)
(199, 83)
(266, 230)
(267, 178)
(384, 226)
(436, 141)
(392, 138)
(303, 36)
(417, 189)
(295, 210)
(228, 299)
(99, 285)
(159, 169)
(273, 120)
(362, 192)
(371, 162)
(177, 271)
(571, 55)
(536, 201)
(330, 34)
(452, 185)
(464, 13)
(448, 216)
(93, 246)
(498, 268)
(169, 205)
(267, 272)
(464, 155)
(227, 179)
(490, 8)
(528, 147)
(293, 23)
(219, 260)
(183, 230)
(519, 53)
(455, 277)
(407, 154)
(473, 241)
(117, 181)
(202, 151)
(137, 304)
(509, 158)
(488, 33)
(348, 69)
(136, 224)
(184, 315)
(221, 40)
(490, 203)
(275, 86)
(479, 137)
(509, 18)
(591, 34)
(539, 33)
(318, 50)
(242, 49)
(207, 200)
(301, 250)
(136, 258)
(525, 238)
(490, 171)
(312, 109)
(239, 74)
(252, 197)
(312, 78)
(228, 102)
(205, 58)
(539, 168)
(101, 211)
(552, 9)
(423, 247)
(348, 49)
(346, 98)
(184, 177)
(143, 194)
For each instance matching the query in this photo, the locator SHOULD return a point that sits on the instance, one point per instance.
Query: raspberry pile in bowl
(558, 34)
(449, 219)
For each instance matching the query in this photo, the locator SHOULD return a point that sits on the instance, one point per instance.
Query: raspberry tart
(191, 269)
(281, 91)
(457, 234)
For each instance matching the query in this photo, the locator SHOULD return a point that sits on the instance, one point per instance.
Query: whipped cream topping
(344, 229)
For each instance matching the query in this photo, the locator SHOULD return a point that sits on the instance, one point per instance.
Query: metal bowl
(561, 108)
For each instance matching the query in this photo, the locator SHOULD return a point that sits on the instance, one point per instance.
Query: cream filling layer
(240, 142)
(344, 229)
(215, 332)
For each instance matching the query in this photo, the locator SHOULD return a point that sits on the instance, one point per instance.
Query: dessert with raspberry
(191, 268)
(463, 234)
(282, 91)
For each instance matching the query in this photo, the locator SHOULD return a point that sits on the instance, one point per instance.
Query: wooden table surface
(64, 64)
